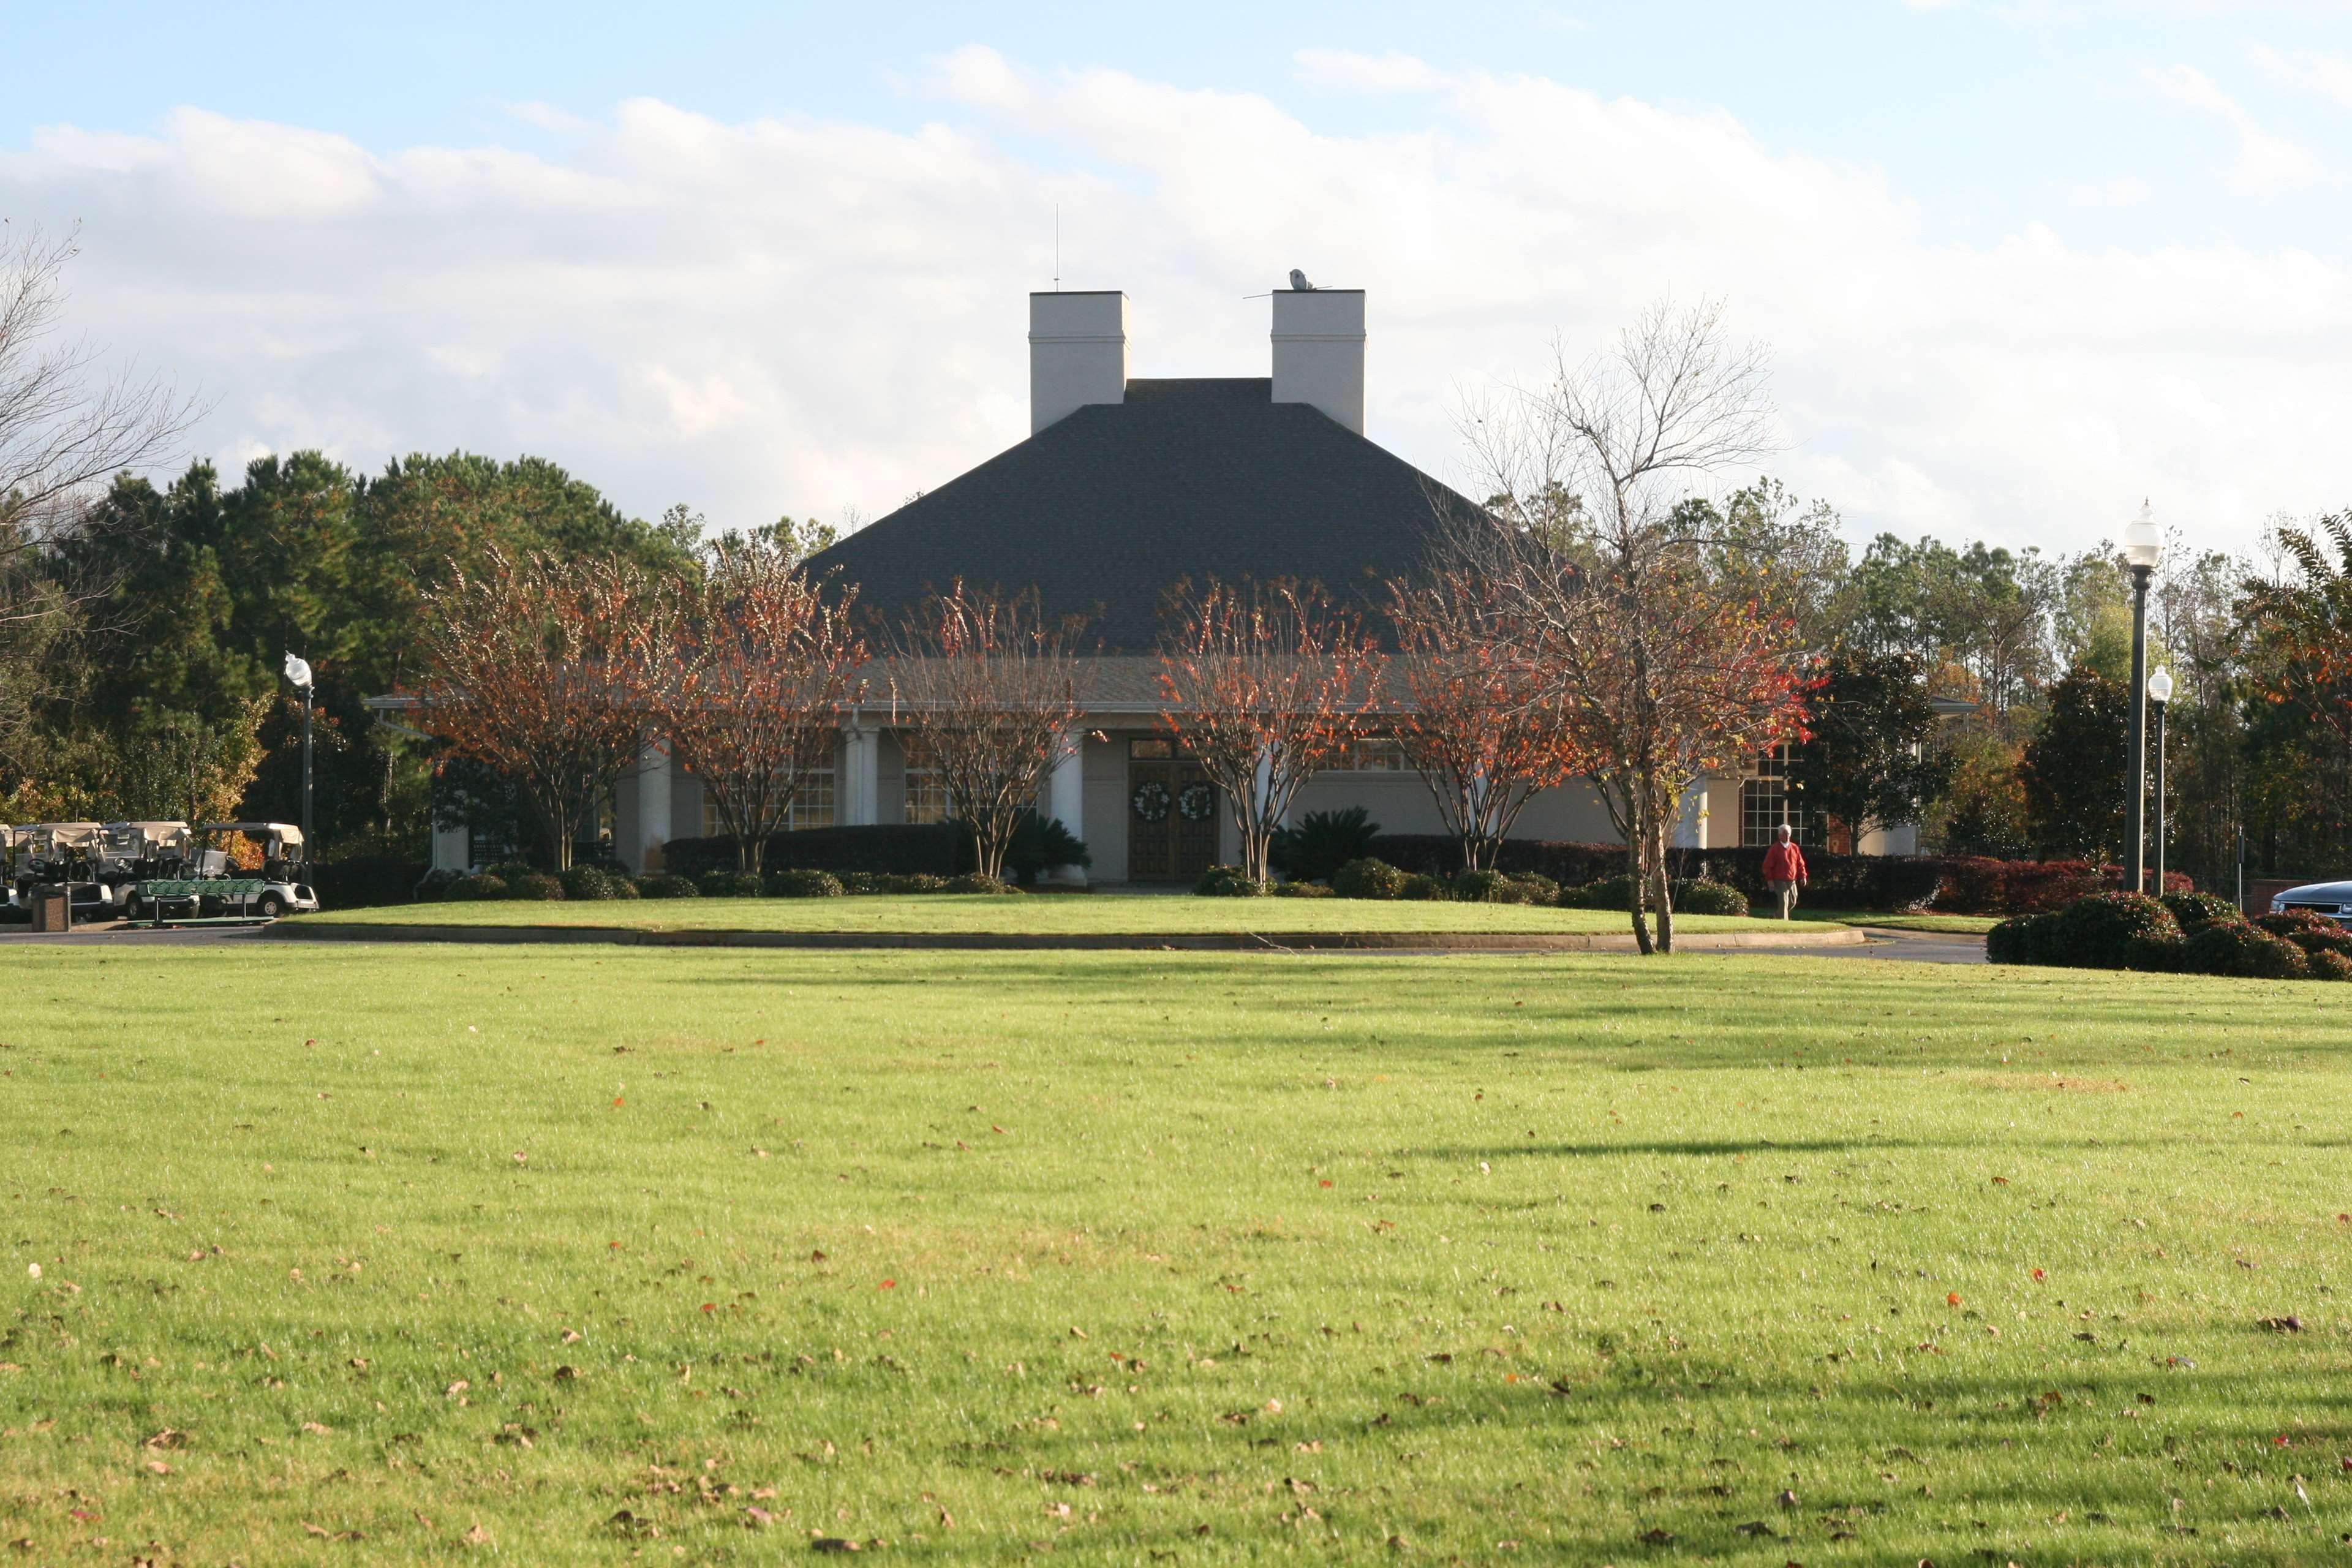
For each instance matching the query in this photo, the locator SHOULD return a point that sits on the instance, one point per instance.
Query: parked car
(2333, 899)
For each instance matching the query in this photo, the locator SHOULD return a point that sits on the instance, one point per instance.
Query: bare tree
(1668, 668)
(537, 669)
(1261, 682)
(749, 668)
(66, 426)
(989, 689)
(1478, 725)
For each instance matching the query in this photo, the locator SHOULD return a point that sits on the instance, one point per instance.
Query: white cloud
(1340, 70)
(2308, 70)
(805, 315)
(2264, 158)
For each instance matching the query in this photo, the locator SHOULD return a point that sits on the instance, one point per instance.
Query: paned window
(925, 793)
(1766, 802)
(1375, 754)
(812, 805)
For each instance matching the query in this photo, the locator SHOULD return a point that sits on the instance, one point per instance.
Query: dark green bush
(667, 885)
(477, 885)
(1228, 882)
(729, 885)
(1367, 879)
(1422, 890)
(1501, 888)
(2243, 950)
(535, 887)
(2105, 931)
(2195, 911)
(2308, 930)
(908, 882)
(1323, 842)
(2327, 963)
(803, 885)
(1302, 890)
(974, 882)
(1604, 893)
(586, 882)
(1709, 898)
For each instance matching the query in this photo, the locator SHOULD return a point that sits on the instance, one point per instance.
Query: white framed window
(926, 792)
(1766, 802)
(811, 804)
(1373, 755)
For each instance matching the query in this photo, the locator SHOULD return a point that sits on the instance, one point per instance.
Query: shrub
(2327, 963)
(1042, 844)
(1367, 879)
(2309, 931)
(535, 887)
(803, 885)
(479, 885)
(974, 882)
(1302, 890)
(729, 885)
(1709, 898)
(1228, 882)
(587, 882)
(2006, 942)
(912, 883)
(2242, 949)
(1323, 842)
(2104, 930)
(434, 886)
(1502, 888)
(1607, 893)
(1420, 888)
(667, 885)
(2195, 911)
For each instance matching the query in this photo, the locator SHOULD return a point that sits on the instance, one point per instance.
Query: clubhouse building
(1124, 488)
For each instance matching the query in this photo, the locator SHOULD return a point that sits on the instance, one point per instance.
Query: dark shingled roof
(1106, 510)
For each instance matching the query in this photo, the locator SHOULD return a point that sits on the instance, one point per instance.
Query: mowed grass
(552, 1256)
(1027, 913)
(1941, 925)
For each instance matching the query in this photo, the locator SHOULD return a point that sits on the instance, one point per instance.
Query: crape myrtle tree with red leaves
(1474, 717)
(1260, 682)
(537, 668)
(1663, 656)
(752, 665)
(990, 688)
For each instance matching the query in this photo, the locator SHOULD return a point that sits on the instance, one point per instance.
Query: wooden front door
(1171, 815)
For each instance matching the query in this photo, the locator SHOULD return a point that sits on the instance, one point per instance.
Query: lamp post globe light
(2143, 549)
(2159, 691)
(298, 670)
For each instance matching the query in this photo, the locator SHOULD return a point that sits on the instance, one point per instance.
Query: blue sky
(1986, 164)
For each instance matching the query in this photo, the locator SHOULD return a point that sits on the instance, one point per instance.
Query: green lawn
(1056, 914)
(361, 1255)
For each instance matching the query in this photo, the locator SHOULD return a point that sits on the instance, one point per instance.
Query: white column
(652, 808)
(861, 788)
(450, 847)
(1690, 822)
(1066, 799)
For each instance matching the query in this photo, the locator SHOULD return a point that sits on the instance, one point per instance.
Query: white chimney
(1078, 353)
(1318, 351)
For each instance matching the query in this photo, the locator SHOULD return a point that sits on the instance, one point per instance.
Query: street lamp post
(298, 670)
(2143, 549)
(2159, 691)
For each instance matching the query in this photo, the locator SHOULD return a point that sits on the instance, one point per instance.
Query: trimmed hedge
(1229, 882)
(2195, 911)
(1701, 896)
(365, 881)
(2223, 949)
(1367, 879)
(2309, 931)
(668, 884)
(536, 887)
(934, 849)
(1893, 884)
(729, 884)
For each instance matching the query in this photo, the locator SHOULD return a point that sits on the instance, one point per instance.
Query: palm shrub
(1041, 843)
(1323, 842)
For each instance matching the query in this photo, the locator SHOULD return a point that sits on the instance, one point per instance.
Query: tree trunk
(1662, 896)
(1637, 872)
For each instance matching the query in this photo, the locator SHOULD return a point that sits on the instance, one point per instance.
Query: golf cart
(207, 885)
(72, 855)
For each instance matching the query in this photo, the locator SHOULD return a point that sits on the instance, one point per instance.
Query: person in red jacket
(1784, 871)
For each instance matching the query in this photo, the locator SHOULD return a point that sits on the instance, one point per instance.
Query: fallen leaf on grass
(477, 1536)
(2287, 1325)
(169, 1437)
